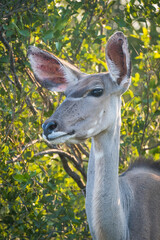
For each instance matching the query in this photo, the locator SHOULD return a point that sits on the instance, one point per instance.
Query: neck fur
(105, 212)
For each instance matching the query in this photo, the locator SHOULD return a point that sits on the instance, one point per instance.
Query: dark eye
(97, 92)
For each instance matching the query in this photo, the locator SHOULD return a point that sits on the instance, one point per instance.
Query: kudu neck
(106, 207)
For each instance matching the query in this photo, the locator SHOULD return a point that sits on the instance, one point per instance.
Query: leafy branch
(17, 82)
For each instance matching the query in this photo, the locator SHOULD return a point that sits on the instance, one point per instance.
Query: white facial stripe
(74, 99)
(90, 131)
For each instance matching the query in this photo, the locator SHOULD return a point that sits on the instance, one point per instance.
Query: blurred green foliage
(39, 195)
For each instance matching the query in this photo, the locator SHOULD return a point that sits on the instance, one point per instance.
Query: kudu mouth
(58, 137)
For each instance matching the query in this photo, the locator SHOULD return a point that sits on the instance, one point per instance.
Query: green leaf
(20, 178)
(9, 33)
(48, 35)
(58, 46)
(24, 33)
(4, 59)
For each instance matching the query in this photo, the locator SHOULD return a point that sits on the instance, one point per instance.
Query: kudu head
(92, 101)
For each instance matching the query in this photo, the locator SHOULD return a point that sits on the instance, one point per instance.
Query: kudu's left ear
(118, 60)
(51, 72)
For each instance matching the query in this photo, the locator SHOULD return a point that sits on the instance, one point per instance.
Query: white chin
(60, 137)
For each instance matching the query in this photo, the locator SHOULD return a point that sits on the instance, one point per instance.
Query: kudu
(125, 207)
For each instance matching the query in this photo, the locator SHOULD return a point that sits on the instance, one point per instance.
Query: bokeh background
(42, 186)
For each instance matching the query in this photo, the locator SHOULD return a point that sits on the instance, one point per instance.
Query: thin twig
(18, 157)
(13, 70)
(30, 105)
(72, 174)
(83, 35)
(66, 155)
(45, 97)
(12, 62)
(82, 149)
(147, 115)
(149, 148)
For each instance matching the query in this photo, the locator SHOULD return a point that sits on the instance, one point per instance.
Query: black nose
(49, 127)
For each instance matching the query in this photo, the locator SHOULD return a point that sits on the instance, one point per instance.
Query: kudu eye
(97, 92)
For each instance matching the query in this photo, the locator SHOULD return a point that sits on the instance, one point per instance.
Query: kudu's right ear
(118, 60)
(51, 72)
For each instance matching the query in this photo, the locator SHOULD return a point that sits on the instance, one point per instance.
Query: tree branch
(30, 105)
(45, 98)
(82, 149)
(13, 70)
(66, 155)
(83, 35)
(12, 63)
(149, 148)
(15, 159)
(72, 174)
(63, 155)
(147, 114)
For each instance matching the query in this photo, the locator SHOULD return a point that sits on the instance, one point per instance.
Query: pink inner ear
(116, 55)
(47, 68)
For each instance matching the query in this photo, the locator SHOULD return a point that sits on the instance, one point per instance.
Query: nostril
(49, 127)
